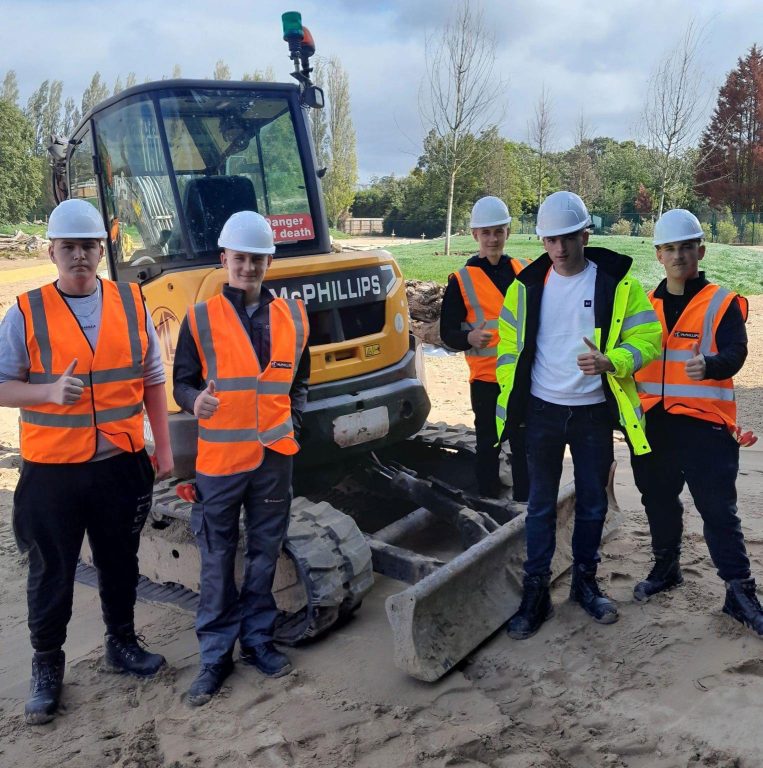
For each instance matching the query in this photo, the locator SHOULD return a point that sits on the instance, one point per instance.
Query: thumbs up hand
(594, 362)
(206, 403)
(695, 366)
(67, 389)
(479, 338)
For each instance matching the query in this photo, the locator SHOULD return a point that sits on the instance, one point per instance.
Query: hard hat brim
(260, 251)
(483, 225)
(564, 230)
(53, 235)
(666, 240)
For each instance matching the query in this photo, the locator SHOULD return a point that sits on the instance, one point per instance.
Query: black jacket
(186, 370)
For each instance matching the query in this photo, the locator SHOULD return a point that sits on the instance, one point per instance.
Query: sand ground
(673, 684)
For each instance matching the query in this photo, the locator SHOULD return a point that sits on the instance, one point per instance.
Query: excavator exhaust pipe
(442, 618)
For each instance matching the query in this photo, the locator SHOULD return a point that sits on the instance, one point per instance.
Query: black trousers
(484, 396)
(706, 458)
(53, 507)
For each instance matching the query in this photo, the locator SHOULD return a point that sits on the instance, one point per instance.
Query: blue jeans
(587, 429)
(226, 613)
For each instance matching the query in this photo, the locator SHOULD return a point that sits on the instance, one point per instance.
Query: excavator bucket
(442, 618)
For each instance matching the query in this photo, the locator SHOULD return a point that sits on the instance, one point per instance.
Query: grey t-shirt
(14, 356)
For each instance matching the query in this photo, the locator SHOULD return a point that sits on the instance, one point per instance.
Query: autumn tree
(732, 173)
(461, 98)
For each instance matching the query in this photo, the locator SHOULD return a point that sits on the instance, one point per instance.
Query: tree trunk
(449, 217)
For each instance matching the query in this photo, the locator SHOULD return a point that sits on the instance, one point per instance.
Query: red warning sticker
(291, 226)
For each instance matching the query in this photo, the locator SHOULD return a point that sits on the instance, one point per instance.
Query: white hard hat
(676, 226)
(248, 232)
(76, 219)
(489, 212)
(560, 214)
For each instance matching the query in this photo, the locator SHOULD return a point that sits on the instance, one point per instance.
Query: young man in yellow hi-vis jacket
(574, 327)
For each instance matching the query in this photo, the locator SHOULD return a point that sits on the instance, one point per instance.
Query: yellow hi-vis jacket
(627, 331)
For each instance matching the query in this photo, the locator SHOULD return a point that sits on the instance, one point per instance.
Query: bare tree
(541, 134)
(676, 103)
(461, 99)
(583, 178)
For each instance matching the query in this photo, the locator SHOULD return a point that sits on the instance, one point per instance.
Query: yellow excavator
(167, 163)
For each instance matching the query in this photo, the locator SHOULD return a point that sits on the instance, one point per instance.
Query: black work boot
(208, 681)
(45, 687)
(267, 659)
(126, 655)
(585, 591)
(534, 609)
(665, 574)
(743, 605)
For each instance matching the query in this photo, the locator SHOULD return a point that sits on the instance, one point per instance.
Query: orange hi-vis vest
(483, 302)
(112, 400)
(665, 380)
(255, 406)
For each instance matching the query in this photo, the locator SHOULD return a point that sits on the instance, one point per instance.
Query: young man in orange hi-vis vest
(241, 367)
(688, 396)
(80, 359)
(469, 322)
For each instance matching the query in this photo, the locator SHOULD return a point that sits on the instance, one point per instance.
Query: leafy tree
(21, 173)
(732, 143)
(118, 87)
(177, 72)
(131, 80)
(342, 175)
(10, 89)
(379, 198)
(44, 113)
(221, 71)
(71, 118)
(644, 203)
(96, 92)
(267, 75)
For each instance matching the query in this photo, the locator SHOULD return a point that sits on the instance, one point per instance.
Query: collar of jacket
(691, 287)
(478, 261)
(237, 296)
(614, 264)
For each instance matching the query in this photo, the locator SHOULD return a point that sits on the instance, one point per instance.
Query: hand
(206, 403)
(479, 338)
(695, 366)
(163, 464)
(67, 389)
(594, 362)
(745, 439)
(186, 492)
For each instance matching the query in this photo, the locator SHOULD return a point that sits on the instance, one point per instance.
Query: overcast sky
(591, 56)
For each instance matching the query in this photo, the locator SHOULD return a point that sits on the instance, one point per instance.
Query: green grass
(27, 229)
(337, 234)
(735, 267)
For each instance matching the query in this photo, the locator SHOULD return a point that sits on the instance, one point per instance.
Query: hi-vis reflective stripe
(709, 321)
(296, 316)
(246, 435)
(205, 337)
(521, 296)
(485, 352)
(506, 359)
(79, 420)
(647, 316)
(125, 293)
(500, 412)
(638, 361)
(678, 355)
(248, 383)
(701, 391)
(508, 317)
(471, 294)
(105, 376)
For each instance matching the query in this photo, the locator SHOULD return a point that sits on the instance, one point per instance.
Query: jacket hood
(614, 264)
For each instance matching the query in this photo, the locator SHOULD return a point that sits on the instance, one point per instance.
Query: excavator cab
(168, 162)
